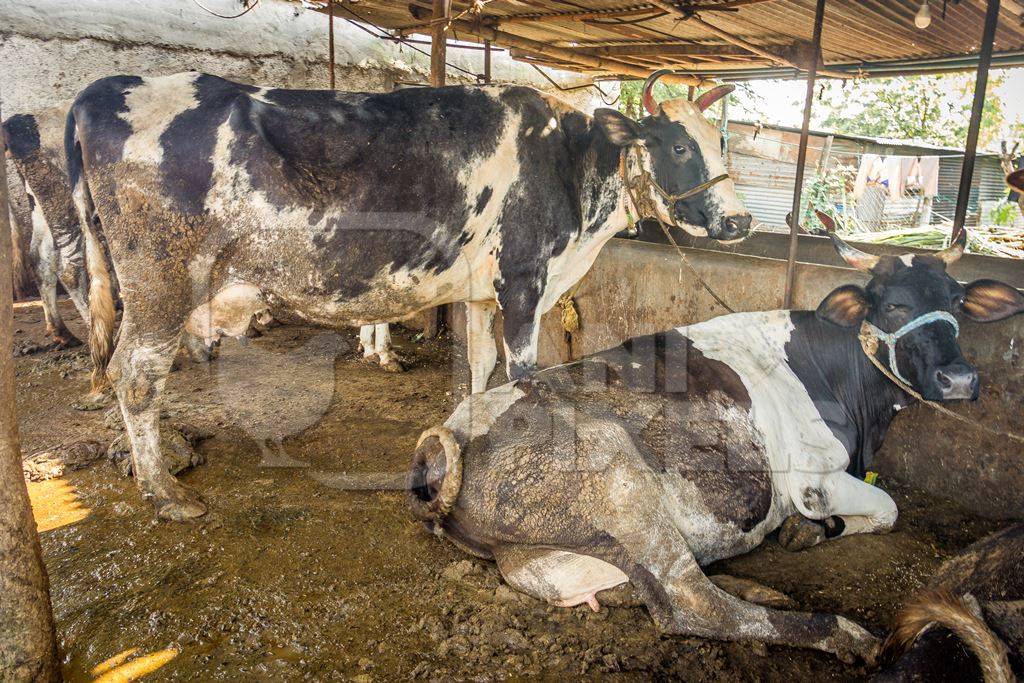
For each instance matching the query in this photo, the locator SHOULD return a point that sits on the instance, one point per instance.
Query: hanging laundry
(870, 174)
(929, 173)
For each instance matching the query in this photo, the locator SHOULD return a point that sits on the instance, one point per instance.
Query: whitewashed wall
(51, 49)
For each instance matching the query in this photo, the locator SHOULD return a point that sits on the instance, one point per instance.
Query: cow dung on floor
(289, 577)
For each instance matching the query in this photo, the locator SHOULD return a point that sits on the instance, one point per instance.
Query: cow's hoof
(180, 504)
(392, 365)
(95, 401)
(853, 643)
(66, 341)
(799, 533)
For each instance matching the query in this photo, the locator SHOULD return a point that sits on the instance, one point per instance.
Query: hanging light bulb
(923, 18)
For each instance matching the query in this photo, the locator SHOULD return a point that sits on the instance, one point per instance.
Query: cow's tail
(436, 476)
(962, 616)
(101, 294)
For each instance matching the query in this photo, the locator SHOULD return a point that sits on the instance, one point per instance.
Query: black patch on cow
(22, 134)
(31, 201)
(482, 199)
(834, 526)
(95, 115)
(854, 400)
(679, 172)
(382, 169)
(186, 170)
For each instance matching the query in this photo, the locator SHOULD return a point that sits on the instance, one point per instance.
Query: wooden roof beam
(745, 44)
(667, 49)
(561, 54)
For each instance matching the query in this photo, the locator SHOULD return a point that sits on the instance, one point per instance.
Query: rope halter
(870, 336)
(638, 189)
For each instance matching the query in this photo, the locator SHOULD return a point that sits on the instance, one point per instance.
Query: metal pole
(28, 645)
(801, 158)
(963, 197)
(330, 40)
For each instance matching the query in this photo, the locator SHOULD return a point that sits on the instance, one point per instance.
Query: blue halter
(890, 338)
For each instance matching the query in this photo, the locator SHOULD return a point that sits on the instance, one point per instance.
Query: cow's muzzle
(732, 228)
(955, 381)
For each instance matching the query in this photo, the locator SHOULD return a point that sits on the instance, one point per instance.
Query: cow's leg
(853, 507)
(44, 264)
(138, 371)
(682, 600)
(366, 340)
(386, 355)
(521, 328)
(481, 349)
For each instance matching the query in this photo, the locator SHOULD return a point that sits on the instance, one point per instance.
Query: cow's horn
(648, 92)
(1016, 180)
(713, 95)
(954, 251)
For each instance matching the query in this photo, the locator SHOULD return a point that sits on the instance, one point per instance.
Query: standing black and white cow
(647, 461)
(358, 208)
(44, 225)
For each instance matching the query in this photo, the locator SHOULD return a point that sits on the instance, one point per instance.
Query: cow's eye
(958, 301)
(679, 149)
(889, 308)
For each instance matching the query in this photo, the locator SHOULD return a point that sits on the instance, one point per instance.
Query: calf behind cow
(357, 208)
(644, 462)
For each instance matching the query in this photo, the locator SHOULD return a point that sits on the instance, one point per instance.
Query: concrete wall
(51, 49)
(637, 288)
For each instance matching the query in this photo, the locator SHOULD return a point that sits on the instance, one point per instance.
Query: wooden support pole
(438, 42)
(487, 61)
(801, 158)
(28, 644)
(963, 197)
(330, 41)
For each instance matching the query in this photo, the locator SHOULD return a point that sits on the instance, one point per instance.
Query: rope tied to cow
(638, 190)
(869, 344)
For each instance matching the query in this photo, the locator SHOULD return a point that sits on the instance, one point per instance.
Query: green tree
(934, 109)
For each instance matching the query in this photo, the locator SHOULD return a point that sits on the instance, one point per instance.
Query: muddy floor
(309, 568)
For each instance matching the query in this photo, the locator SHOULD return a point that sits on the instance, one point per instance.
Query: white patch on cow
(150, 109)
(802, 451)
(907, 259)
(499, 172)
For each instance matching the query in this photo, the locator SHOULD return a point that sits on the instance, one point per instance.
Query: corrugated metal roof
(611, 37)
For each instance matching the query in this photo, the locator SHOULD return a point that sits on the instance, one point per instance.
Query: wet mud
(309, 567)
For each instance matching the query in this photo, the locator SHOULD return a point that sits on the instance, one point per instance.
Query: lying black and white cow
(644, 462)
(969, 623)
(44, 226)
(357, 208)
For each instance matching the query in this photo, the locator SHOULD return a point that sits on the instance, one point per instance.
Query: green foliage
(824, 192)
(935, 109)
(1004, 213)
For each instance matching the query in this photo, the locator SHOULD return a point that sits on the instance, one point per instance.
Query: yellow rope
(869, 344)
(570, 314)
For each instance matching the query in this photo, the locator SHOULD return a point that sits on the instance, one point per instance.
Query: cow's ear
(846, 306)
(620, 129)
(986, 301)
